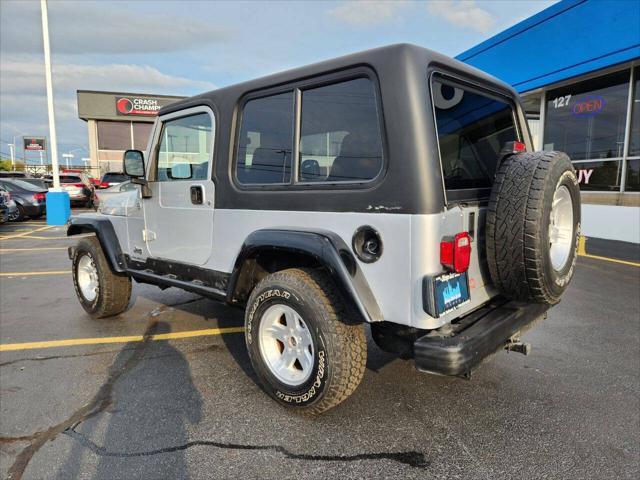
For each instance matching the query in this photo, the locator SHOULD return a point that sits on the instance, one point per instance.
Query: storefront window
(633, 176)
(141, 132)
(601, 176)
(587, 120)
(114, 135)
(634, 140)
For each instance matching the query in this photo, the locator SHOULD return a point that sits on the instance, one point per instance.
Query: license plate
(444, 293)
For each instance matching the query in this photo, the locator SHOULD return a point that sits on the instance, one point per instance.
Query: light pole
(86, 162)
(68, 156)
(12, 149)
(41, 160)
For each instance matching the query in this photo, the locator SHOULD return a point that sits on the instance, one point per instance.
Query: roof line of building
(517, 29)
(577, 64)
(131, 94)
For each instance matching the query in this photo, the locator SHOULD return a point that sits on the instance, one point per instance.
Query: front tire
(303, 347)
(101, 292)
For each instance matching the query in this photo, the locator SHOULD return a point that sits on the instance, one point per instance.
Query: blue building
(577, 66)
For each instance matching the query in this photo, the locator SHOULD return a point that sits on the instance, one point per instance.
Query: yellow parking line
(31, 274)
(607, 259)
(36, 237)
(582, 251)
(35, 249)
(7, 347)
(27, 232)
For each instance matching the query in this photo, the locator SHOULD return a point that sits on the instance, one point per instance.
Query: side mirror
(133, 161)
(181, 171)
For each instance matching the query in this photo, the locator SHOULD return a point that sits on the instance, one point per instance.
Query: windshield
(472, 130)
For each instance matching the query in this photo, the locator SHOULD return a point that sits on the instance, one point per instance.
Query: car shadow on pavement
(139, 428)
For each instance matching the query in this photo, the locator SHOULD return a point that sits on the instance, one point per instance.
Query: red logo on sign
(124, 106)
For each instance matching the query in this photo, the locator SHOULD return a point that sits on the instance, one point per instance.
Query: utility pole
(52, 120)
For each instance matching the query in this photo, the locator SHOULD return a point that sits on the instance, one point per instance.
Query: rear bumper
(35, 209)
(488, 329)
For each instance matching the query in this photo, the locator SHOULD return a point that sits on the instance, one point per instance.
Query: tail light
(455, 253)
(39, 197)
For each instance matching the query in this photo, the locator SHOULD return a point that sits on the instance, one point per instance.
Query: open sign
(588, 106)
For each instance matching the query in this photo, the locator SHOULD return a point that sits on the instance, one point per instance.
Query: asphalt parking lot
(106, 399)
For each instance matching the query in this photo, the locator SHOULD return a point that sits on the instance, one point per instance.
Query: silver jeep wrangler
(394, 187)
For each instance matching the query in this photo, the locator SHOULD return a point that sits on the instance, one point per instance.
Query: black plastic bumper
(458, 354)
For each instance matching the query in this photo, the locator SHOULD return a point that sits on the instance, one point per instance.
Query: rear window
(114, 177)
(70, 179)
(19, 184)
(472, 130)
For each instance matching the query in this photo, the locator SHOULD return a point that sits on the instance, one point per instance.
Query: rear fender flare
(326, 249)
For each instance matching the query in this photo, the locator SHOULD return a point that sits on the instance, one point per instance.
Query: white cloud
(88, 27)
(367, 12)
(23, 99)
(462, 13)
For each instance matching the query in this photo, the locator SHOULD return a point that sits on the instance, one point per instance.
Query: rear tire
(101, 292)
(533, 226)
(22, 214)
(301, 309)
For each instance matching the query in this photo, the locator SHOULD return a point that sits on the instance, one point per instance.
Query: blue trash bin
(58, 208)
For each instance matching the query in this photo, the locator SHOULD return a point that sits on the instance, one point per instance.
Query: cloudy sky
(184, 48)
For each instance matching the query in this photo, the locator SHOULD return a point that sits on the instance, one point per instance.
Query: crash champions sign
(138, 106)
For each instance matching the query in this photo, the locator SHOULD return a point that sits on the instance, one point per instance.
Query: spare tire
(533, 226)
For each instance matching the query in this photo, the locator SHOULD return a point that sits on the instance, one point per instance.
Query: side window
(340, 133)
(266, 141)
(185, 148)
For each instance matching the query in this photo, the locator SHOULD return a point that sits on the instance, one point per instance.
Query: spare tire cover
(533, 226)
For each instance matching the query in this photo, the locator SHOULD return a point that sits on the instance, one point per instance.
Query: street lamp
(68, 156)
(12, 148)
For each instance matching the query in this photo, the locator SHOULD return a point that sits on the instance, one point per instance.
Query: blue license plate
(450, 291)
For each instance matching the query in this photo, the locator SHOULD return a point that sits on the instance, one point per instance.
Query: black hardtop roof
(408, 56)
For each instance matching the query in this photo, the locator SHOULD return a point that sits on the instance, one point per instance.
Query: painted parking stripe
(582, 252)
(34, 249)
(47, 227)
(9, 347)
(33, 274)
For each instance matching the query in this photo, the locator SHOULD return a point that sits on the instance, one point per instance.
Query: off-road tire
(114, 291)
(517, 226)
(340, 343)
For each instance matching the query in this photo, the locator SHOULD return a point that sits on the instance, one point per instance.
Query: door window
(185, 148)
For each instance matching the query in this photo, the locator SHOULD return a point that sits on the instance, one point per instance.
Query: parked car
(12, 208)
(4, 211)
(80, 193)
(30, 200)
(395, 187)
(100, 197)
(113, 178)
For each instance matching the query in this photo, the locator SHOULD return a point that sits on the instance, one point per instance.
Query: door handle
(197, 195)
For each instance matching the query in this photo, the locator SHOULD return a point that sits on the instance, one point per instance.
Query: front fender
(107, 237)
(327, 249)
